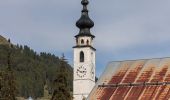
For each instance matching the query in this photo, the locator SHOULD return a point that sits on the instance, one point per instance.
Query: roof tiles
(147, 79)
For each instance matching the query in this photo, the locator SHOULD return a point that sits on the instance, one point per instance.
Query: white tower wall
(82, 86)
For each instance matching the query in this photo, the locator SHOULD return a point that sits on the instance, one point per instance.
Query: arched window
(81, 56)
(82, 41)
(87, 42)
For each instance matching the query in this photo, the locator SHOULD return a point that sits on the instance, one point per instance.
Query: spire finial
(85, 23)
(84, 3)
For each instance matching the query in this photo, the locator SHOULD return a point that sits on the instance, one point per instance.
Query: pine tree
(7, 84)
(1, 84)
(30, 71)
(61, 89)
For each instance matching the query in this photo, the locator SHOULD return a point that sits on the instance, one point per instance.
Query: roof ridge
(139, 59)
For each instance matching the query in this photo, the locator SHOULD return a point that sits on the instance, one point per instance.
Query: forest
(33, 72)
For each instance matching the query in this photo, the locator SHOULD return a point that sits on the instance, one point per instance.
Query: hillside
(32, 71)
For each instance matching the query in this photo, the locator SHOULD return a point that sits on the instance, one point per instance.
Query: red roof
(147, 79)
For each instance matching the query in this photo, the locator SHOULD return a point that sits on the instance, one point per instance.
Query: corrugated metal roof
(147, 79)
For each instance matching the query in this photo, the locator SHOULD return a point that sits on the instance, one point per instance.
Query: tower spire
(84, 23)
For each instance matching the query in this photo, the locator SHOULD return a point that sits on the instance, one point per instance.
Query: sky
(124, 29)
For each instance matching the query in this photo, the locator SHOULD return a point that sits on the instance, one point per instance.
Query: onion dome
(84, 23)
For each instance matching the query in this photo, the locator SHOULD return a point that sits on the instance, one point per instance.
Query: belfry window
(81, 56)
(82, 41)
(87, 42)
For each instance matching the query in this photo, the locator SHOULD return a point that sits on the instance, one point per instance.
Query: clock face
(81, 71)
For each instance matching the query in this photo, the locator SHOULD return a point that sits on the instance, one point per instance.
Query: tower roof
(84, 23)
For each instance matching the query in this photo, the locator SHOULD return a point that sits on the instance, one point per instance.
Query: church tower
(84, 56)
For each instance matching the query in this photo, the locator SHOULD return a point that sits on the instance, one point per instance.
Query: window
(81, 56)
(82, 41)
(87, 42)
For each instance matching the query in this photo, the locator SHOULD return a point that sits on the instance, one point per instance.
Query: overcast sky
(124, 29)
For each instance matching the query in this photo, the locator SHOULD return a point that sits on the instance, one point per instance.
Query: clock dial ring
(81, 71)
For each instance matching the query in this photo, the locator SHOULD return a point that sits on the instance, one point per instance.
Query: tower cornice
(79, 35)
(85, 46)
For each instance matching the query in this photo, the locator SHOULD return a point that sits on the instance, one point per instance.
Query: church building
(143, 79)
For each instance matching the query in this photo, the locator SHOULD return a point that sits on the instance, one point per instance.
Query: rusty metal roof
(147, 79)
